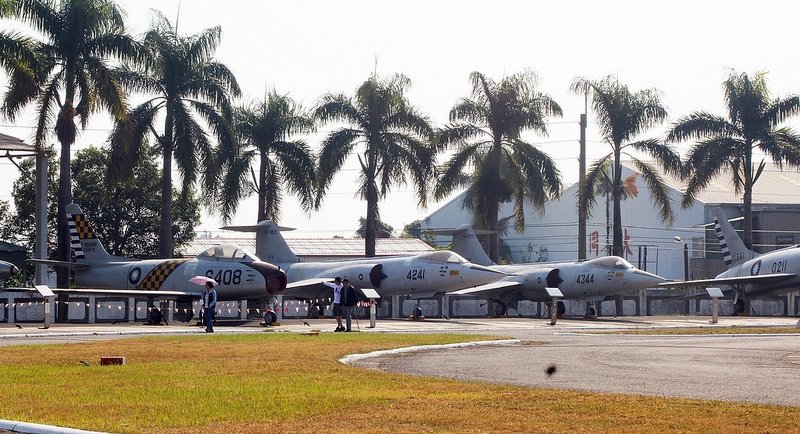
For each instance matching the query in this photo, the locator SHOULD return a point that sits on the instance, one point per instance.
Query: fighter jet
(7, 269)
(749, 273)
(417, 276)
(240, 275)
(592, 280)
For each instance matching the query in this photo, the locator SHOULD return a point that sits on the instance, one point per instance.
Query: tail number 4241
(416, 274)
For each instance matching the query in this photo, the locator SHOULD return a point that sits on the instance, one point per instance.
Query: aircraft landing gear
(500, 309)
(738, 307)
(590, 311)
(270, 317)
(314, 310)
(416, 314)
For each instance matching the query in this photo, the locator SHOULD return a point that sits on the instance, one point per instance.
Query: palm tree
(266, 128)
(487, 131)
(78, 37)
(188, 85)
(393, 140)
(622, 116)
(753, 123)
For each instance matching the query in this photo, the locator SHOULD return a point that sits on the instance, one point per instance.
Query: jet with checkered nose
(239, 274)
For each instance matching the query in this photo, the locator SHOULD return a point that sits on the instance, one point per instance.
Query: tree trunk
(262, 187)
(64, 199)
(165, 226)
(747, 234)
(616, 194)
(494, 237)
(66, 131)
(370, 226)
(493, 165)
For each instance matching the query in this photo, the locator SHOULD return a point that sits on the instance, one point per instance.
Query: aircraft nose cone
(274, 277)
(643, 279)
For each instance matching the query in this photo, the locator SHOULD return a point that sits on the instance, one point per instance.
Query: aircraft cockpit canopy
(228, 252)
(444, 257)
(614, 262)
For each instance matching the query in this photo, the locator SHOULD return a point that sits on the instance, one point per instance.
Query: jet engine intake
(376, 275)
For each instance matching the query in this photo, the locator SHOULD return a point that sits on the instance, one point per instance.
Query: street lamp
(685, 267)
(685, 257)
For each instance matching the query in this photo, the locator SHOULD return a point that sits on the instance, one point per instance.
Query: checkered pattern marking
(723, 245)
(156, 277)
(79, 229)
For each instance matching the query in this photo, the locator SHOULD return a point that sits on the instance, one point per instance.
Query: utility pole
(581, 180)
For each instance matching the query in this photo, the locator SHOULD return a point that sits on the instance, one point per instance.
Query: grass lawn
(735, 330)
(281, 382)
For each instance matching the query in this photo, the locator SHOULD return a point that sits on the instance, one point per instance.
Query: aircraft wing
(702, 283)
(54, 263)
(507, 283)
(161, 295)
(309, 289)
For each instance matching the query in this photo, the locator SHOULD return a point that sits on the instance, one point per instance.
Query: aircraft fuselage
(776, 262)
(236, 280)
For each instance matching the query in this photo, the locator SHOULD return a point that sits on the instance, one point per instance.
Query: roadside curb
(352, 358)
(35, 428)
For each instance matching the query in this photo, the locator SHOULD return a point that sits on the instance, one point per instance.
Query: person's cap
(345, 281)
(337, 279)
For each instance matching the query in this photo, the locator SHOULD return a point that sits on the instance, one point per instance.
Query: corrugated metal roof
(11, 143)
(324, 247)
(774, 186)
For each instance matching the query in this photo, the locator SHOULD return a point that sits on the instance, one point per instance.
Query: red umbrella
(201, 280)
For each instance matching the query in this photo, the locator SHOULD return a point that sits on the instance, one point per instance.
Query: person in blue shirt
(209, 305)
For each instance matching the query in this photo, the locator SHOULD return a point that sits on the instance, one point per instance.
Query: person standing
(209, 305)
(337, 301)
(349, 301)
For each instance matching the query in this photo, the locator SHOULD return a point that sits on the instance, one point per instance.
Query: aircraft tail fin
(466, 244)
(270, 245)
(83, 240)
(733, 249)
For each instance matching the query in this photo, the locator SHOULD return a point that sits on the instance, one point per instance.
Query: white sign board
(45, 290)
(714, 292)
(554, 292)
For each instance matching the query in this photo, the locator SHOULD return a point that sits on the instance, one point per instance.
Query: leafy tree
(752, 123)
(124, 215)
(622, 115)
(189, 86)
(392, 139)
(383, 230)
(264, 131)
(72, 77)
(486, 130)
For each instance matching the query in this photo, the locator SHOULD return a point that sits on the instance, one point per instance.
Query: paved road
(751, 368)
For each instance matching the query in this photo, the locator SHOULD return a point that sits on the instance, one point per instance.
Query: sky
(683, 48)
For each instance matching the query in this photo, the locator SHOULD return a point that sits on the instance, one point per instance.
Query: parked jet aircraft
(418, 276)
(749, 273)
(592, 280)
(240, 275)
(7, 269)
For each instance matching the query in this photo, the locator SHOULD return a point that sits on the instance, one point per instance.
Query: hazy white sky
(306, 48)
